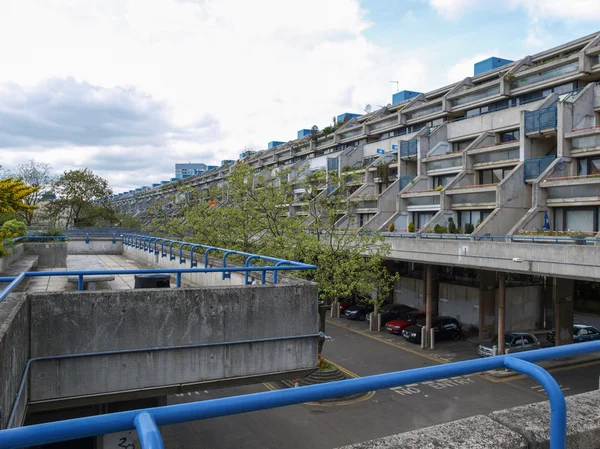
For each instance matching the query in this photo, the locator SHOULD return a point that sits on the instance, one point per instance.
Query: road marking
(540, 389)
(551, 370)
(349, 373)
(440, 384)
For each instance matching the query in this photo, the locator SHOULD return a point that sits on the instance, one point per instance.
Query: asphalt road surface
(382, 413)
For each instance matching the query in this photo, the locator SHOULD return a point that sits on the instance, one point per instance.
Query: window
(493, 176)
(510, 136)
(584, 219)
(518, 341)
(589, 166)
(472, 216)
(528, 340)
(442, 181)
(547, 74)
(421, 218)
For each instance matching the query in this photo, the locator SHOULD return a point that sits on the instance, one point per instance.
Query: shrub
(469, 228)
(440, 187)
(392, 227)
(15, 227)
(451, 226)
(411, 227)
(52, 232)
(439, 229)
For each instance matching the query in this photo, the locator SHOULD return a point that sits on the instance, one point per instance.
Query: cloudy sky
(130, 87)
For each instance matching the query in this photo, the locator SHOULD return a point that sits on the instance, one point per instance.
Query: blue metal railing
(405, 180)
(540, 119)
(534, 167)
(150, 244)
(60, 238)
(146, 421)
(408, 148)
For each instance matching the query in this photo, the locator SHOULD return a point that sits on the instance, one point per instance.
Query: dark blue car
(581, 333)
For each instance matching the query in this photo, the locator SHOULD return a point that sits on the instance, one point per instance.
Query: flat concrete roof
(87, 262)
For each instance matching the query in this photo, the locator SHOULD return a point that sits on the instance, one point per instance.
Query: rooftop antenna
(368, 109)
(397, 85)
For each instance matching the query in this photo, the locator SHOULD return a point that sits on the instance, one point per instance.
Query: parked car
(358, 312)
(513, 341)
(445, 328)
(581, 333)
(403, 321)
(391, 312)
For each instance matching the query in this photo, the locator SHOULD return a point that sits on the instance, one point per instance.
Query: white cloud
(454, 9)
(260, 70)
(465, 67)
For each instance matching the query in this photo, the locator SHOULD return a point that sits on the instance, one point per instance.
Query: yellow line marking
(349, 373)
(551, 370)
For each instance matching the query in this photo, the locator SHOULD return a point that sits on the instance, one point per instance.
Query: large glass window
(425, 111)
(493, 176)
(510, 136)
(583, 219)
(477, 96)
(472, 216)
(442, 181)
(421, 218)
(462, 145)
(589, 166)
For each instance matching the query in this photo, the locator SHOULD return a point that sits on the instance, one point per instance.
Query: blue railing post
(80, 282)
(226, 274)
(558, 405)
(181, 258)
(178, 280)
(171, 256)
(87, 238)
(148, 432)
(114, 238)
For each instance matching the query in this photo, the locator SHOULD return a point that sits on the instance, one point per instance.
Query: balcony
(586, 144)
(496, 154)
(573, 191)
(541, 120)
(534, 167)
(408, 149)
(473, 197)
(451, 162)
(423, 201)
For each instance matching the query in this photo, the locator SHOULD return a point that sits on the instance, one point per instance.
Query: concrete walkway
(87, 262)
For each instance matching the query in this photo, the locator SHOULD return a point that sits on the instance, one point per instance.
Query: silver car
(513, 342)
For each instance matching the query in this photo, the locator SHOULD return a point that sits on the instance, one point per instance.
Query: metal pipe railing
(172, 414)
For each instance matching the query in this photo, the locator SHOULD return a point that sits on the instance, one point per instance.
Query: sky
(128, 88)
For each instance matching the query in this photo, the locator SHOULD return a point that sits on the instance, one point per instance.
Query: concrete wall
(14, 353)
(500, 430)
(15, 254)
(95, 246)
(51, 254)
(563, 261)
(82, 322)
(523, 303)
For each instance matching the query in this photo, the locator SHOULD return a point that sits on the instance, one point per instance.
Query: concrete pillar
(487, 306)
(548, 303)
(501, 309)
(564, 291)
(431, 298)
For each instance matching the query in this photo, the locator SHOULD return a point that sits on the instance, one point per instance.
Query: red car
(407, 319)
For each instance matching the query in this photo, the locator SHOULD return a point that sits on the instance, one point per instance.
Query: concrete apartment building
(501, 151)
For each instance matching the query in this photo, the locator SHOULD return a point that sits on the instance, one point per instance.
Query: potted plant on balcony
(411, 227)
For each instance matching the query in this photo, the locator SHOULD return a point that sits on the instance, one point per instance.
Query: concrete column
(564, 291)
(548, 303)
(431, 299)
(501, 308)
(487, 306)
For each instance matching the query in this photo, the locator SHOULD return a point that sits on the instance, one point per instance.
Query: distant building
(189, 169)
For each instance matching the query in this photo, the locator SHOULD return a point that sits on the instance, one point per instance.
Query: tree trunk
(322, 315)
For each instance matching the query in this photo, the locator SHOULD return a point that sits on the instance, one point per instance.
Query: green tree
(81, 200)
(33, 174)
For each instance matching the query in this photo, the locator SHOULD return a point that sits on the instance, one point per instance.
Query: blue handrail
(60, 238)
(172, 414)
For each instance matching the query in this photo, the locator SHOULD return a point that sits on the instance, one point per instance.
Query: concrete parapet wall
(15, 254)
(90, 322)
(14, 353)
(563, 261)
(51, 254)
(95, 246)
(519, 427)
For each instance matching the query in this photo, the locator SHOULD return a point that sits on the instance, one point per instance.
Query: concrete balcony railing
(472, 197)
(491, 155)
(573, 191)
